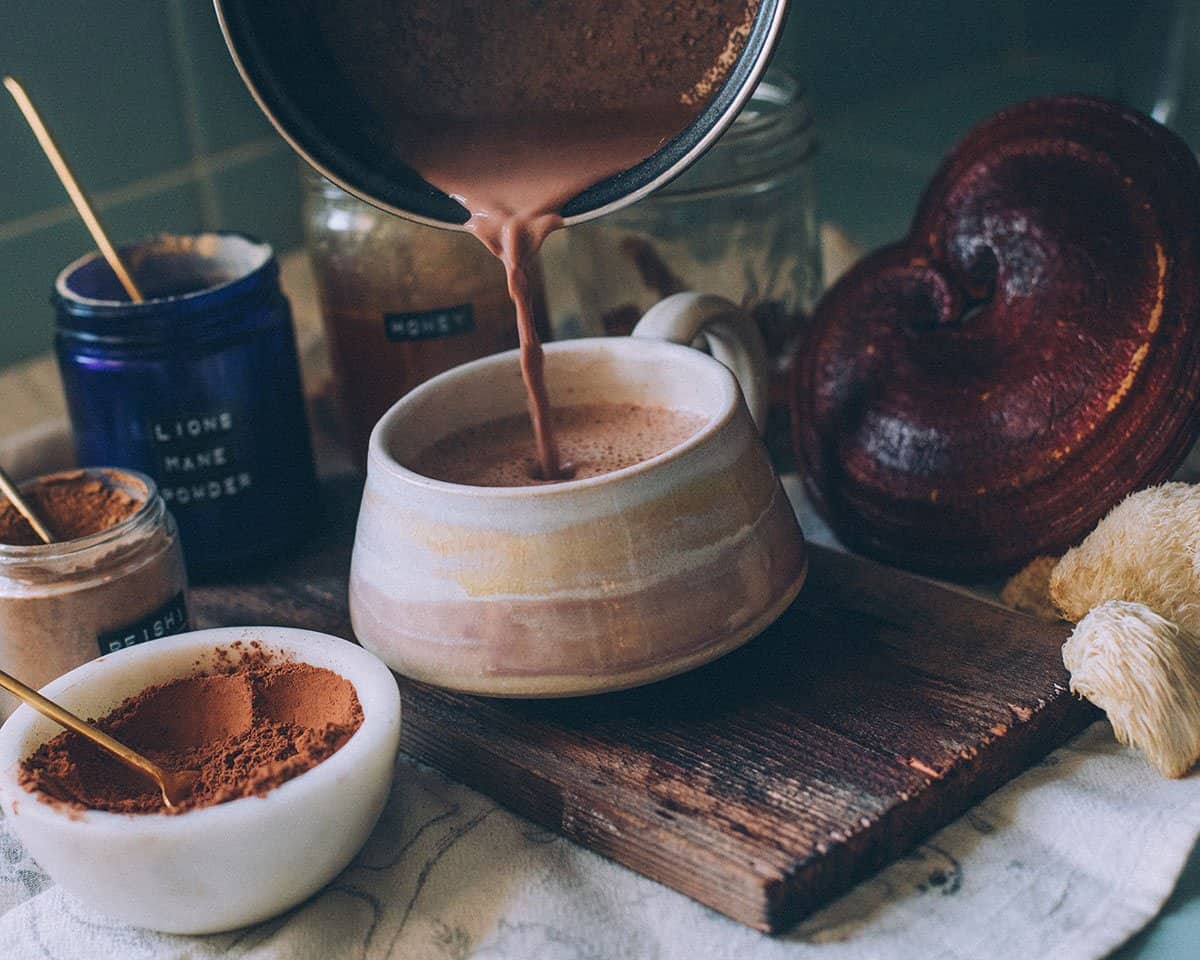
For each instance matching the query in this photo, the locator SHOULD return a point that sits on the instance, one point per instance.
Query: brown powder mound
(245, 731)
(72, 505)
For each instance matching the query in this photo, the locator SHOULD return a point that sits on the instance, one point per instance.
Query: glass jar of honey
(401, 302)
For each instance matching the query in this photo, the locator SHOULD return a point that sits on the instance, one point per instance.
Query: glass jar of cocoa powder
(740, 223)
(401, 302)
(116, 578)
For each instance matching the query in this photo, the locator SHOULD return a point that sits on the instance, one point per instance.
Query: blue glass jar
(198, 387)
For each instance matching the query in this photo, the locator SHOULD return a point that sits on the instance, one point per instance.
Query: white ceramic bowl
(219, 867)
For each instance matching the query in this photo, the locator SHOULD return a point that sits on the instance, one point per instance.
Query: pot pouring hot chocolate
(509, 120)
(634, 527)
(345, 82)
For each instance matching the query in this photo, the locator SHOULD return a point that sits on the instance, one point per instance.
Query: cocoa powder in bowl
(246, 730)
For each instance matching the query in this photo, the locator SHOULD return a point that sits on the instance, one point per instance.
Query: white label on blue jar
(201, 457)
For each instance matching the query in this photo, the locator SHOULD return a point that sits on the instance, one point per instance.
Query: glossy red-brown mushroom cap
(985, 390)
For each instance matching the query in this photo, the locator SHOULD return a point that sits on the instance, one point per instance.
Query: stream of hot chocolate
(514, 176)
(513, 107)
(518, 245)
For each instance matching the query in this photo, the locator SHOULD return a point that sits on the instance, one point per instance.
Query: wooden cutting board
(875, 711)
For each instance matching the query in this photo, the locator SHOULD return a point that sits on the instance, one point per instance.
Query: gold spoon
(71, 185)
(9, 489)
(175, 787)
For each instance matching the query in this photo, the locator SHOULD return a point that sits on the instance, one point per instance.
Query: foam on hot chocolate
(594, 439)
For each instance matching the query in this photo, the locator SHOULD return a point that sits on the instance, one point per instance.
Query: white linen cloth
(1065, 862)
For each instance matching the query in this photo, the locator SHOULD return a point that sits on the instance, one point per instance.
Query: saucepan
(285, 53)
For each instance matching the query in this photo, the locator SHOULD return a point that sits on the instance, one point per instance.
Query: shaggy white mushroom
(1146, 550)
(1144, 672)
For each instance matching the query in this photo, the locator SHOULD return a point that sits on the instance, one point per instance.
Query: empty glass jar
(740, 223)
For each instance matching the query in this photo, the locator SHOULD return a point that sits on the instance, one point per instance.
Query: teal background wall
(148, 108)
(149, 111)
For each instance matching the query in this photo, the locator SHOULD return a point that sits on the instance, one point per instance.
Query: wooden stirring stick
(175, 787)
(74, 191)
(9, 489)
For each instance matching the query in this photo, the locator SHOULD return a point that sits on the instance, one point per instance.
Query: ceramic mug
(588, 585)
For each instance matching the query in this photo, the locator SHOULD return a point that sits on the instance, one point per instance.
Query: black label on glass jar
(429, 324)
(202, 456)
(170, 618)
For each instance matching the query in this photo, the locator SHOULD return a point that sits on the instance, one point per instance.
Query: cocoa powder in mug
(245, 731)
(594, 439)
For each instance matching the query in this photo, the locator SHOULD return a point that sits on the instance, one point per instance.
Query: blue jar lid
(196, 278)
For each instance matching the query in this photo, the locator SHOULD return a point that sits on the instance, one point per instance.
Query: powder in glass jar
(245, 731)
(65, 603)
(72, 505)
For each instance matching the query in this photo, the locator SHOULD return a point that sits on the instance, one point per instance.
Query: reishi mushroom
(983, 391)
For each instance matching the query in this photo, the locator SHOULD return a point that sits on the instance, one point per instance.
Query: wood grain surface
(875, 711)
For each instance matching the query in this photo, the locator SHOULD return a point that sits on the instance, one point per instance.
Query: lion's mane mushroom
(1143, 671)
(982, 392)
(1134, 587)
(1146, 550)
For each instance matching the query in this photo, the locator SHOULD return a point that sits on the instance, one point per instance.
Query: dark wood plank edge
(907, 824)
(600, 820)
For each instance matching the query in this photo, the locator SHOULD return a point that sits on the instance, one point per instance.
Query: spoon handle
(71, 185)
(9, 489)
(67, 719)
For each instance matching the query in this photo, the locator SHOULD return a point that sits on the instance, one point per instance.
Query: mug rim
(379, 458)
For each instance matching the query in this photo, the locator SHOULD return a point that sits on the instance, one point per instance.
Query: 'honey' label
(429, 324)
